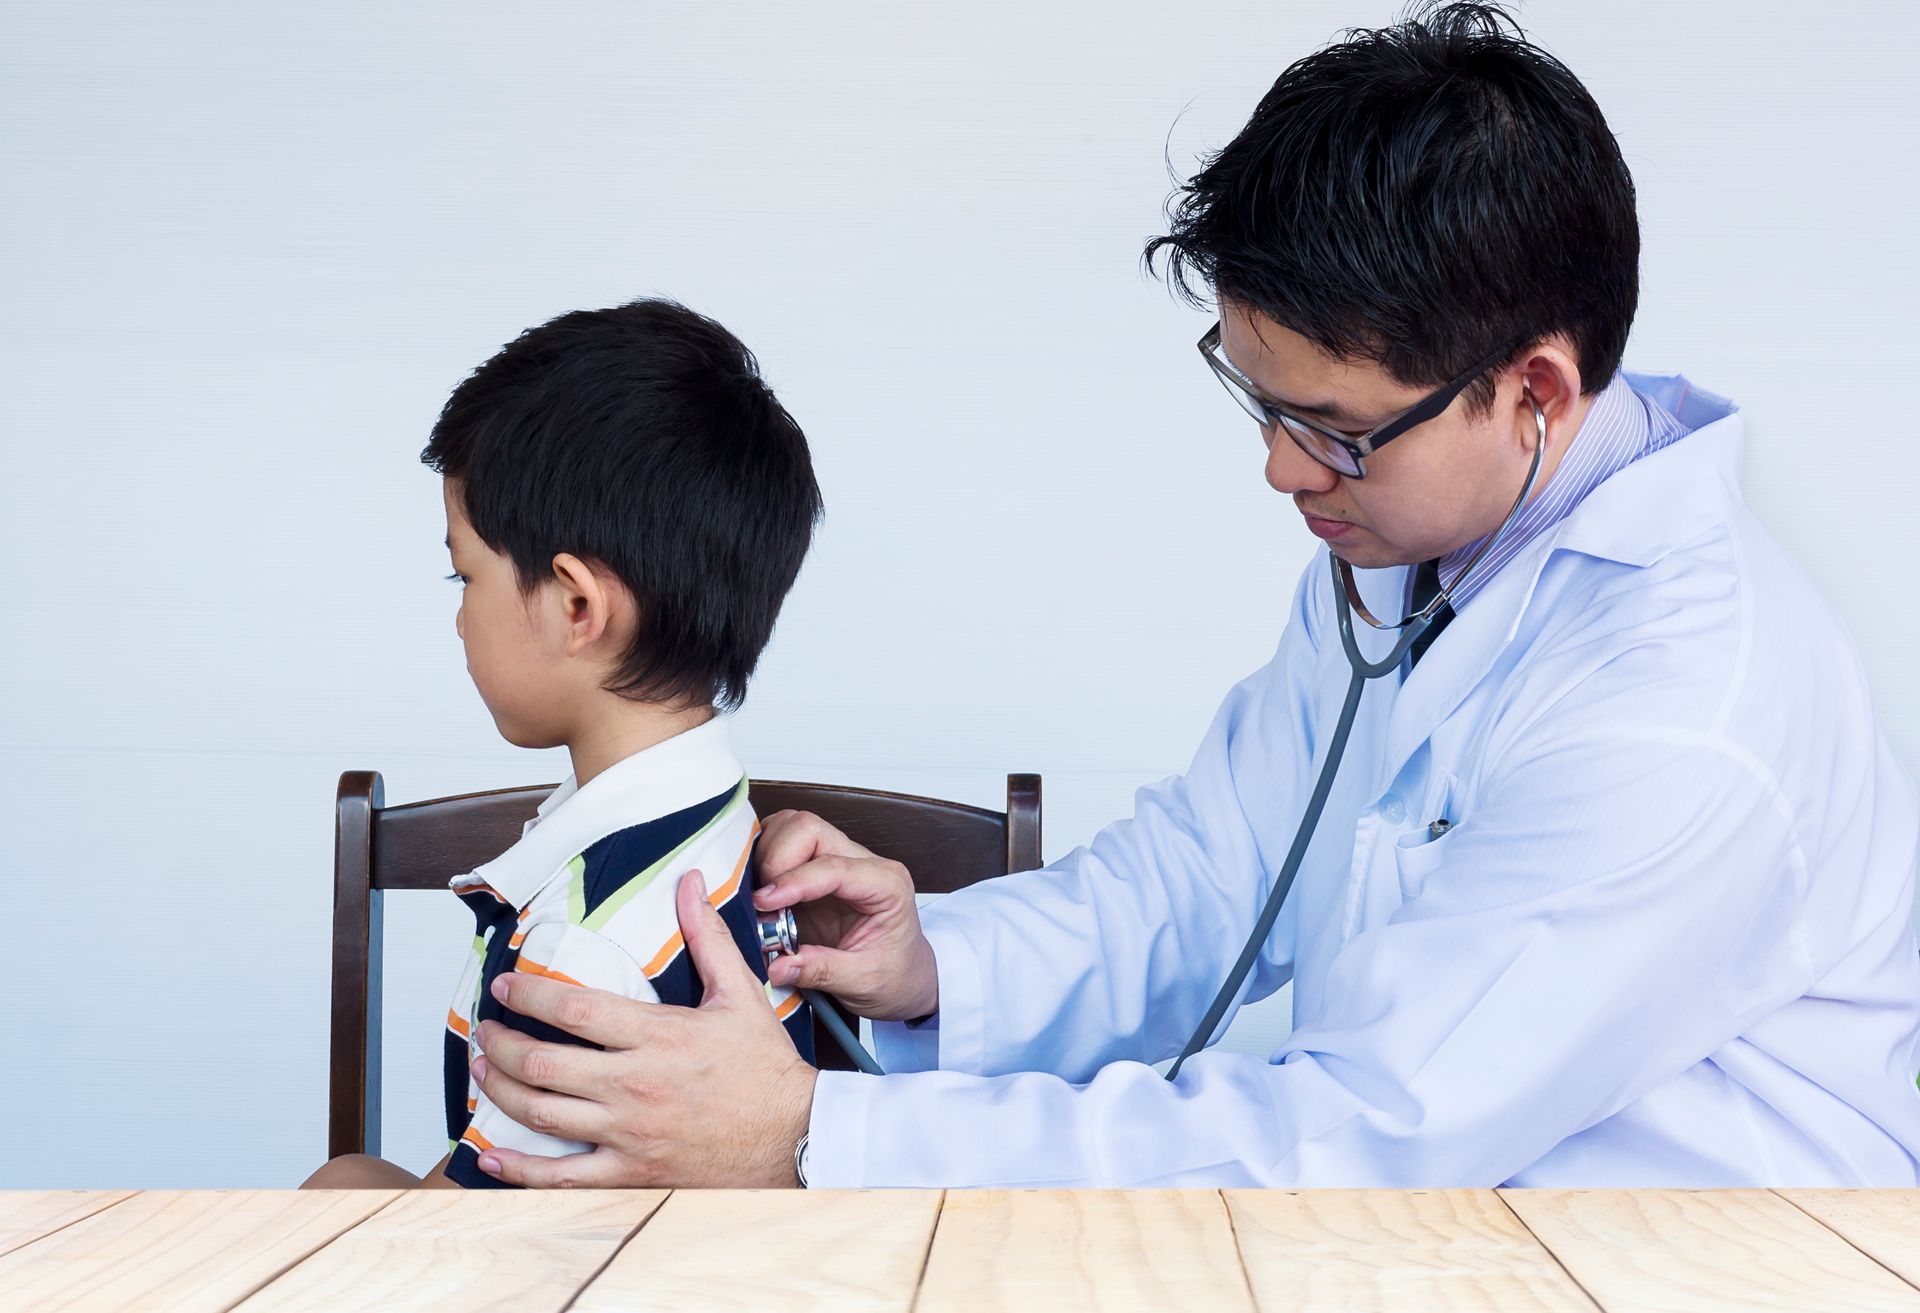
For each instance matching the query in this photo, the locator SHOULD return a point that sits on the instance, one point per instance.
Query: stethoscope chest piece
(779, 933)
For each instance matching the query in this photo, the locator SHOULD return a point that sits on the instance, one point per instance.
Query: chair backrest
(421, 845)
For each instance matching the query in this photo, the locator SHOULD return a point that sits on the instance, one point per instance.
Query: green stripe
(479, 945)
(576, 888)
(576, 897)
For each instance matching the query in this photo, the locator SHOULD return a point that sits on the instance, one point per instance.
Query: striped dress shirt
(1622, 424)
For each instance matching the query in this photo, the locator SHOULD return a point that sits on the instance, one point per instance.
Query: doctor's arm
(1619, 907)
(1111, 952)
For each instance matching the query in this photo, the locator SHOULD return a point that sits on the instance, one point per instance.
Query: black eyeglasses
(1341, 452)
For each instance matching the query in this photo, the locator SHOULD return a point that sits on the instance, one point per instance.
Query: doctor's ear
(1551, 375)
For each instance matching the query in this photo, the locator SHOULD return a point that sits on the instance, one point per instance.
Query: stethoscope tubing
(1363, 670)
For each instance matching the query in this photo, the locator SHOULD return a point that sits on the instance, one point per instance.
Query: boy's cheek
(515, 715)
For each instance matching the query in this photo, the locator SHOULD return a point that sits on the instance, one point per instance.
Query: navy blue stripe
(615, 860)
(503, 920)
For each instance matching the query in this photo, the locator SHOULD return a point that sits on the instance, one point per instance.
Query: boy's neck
(612, 734)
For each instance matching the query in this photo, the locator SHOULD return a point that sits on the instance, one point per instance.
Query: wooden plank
(842, 1250)
(26, 1215)
(178, 1249)
(1061, 1250)
(1343, 1250)
(1681, 1250)
(1883, 1223)
(529, 1251)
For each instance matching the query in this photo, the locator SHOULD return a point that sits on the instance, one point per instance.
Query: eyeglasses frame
(1358, 448)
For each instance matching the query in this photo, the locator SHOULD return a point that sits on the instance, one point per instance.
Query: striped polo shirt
(587, 896)
(1621, 425)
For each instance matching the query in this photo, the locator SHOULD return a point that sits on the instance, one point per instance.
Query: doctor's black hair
(641, 438)
(1417, 196)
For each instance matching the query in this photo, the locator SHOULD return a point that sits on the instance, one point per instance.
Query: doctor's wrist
(792, 1109)
(923, 999)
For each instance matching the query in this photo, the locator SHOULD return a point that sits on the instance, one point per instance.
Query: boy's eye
(457, 579)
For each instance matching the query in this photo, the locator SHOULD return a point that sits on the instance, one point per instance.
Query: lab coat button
(1393, 809)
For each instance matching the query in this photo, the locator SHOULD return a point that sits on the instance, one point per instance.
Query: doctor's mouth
(1330, 530)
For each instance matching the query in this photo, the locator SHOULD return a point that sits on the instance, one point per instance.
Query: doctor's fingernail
(480, 1068)
(489, 1164)
(499, 987)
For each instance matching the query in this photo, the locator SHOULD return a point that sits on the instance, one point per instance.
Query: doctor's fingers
(610, 1020)
(788, 838)
(562, 1116)
(847, 976)
(867, 884)
(562, 1068)
(595, 1169)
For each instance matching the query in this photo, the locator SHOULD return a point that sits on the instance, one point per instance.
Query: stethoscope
(779, 934)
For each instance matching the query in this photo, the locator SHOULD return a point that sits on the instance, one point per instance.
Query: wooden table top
(1236, 1250)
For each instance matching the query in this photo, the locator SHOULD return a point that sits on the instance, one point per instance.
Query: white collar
(670, 776)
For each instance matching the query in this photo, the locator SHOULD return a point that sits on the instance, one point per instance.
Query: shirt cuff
(837, 1130)
(955, 1038)
(907, 1046)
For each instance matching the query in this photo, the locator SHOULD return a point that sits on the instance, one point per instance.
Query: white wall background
(246, 250)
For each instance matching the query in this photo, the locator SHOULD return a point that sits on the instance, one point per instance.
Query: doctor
(1614, 884)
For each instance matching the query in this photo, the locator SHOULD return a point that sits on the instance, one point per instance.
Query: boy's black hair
(642, 438)
(1419, 196)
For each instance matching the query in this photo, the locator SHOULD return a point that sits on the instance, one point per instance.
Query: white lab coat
(1668, 940)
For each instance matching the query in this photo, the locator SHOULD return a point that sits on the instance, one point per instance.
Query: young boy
(627, 505)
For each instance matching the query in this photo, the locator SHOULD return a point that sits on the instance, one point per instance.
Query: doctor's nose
(1291, 470)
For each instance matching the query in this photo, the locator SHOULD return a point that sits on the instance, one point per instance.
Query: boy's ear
(591, 602)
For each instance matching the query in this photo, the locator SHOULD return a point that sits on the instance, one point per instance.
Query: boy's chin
(525, 736)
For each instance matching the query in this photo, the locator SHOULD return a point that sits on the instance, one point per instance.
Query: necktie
(1426, 587)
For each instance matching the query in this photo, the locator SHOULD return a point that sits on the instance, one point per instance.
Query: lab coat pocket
(1418, 853)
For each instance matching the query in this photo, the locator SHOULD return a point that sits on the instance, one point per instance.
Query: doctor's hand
(860, 937)
(711, 1095)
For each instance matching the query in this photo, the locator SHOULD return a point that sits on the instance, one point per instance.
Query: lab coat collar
(1666, 499)
(1638, 516)
(670, 776)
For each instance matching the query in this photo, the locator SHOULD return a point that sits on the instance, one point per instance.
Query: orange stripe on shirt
(484, 888)
(787, 1008)
(533, 968)
(718, 896)
(474, 1138)
(456, 1023)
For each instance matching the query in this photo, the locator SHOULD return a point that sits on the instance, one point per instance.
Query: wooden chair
(421, 845)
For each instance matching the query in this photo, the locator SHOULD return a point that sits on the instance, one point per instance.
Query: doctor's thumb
(814, 967)
(715, 953)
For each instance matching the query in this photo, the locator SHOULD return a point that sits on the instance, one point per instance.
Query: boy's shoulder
(610, 879)
(608, 918)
